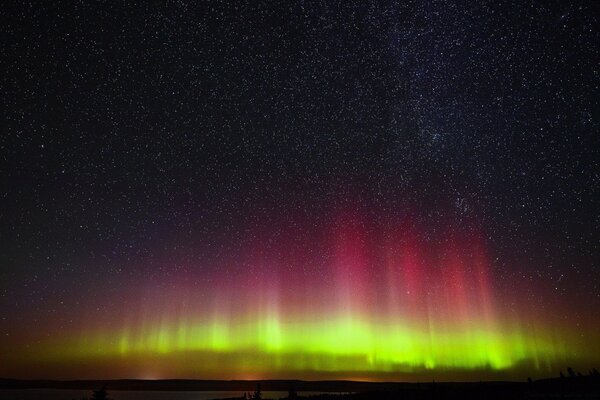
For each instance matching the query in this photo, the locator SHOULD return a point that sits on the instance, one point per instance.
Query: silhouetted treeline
(572, 385)
(575, 386)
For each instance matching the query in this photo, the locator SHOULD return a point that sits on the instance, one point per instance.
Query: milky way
(300, 190)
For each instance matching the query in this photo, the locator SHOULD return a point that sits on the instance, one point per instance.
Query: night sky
(333, 189)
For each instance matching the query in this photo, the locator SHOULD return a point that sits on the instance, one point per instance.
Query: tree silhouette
(100, 394)
(257, 393)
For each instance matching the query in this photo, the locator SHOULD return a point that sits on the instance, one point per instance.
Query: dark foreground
(574, 387)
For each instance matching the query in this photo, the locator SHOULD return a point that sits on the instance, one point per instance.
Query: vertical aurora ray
(386, 301)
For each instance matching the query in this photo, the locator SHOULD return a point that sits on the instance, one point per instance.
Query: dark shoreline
(344, 386)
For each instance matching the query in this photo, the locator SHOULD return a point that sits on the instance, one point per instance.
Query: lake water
(62, 394)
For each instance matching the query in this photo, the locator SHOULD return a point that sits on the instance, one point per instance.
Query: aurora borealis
(300, 191)
(385, 301)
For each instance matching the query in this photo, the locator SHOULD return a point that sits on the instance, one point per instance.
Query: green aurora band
(400, 308)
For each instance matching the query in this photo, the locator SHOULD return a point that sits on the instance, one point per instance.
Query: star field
(149, 150)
